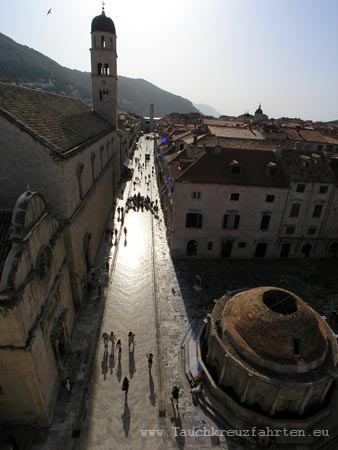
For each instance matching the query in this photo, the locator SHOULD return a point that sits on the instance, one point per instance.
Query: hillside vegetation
(22, 64)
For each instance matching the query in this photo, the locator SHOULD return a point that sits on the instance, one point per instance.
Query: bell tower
(103, 66)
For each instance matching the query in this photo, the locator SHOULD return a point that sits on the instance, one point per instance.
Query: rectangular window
(296, 346)
(241, 244)
(193, 220)
(312, 230)
(231, 221)
(196, 195)
(234, 197)
(317, 211)
(236, 170)
(290, 230)
(270, 198)
(295, 210)
(209, 245)
(300, 188)
(323, 189)
(265, 222)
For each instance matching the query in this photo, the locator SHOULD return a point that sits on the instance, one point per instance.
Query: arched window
(101, 96)
(79, 172)
(191, 249)
(306, 249)
(101, 156)
(103, 41)
(99, 69)
(92, 162)
(106, 69)
(107, 150)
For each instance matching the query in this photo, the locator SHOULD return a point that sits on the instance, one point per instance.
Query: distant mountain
(207, 110)
(23, 65)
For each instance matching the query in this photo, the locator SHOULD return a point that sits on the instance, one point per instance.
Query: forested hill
(22, 64)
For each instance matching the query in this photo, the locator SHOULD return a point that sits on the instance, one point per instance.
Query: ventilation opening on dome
(280, 302)
(296, 346)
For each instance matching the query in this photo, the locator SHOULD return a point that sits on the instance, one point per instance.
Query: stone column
(245, 393)
(224, 368)
(306, 399)
(326, 390)
(275, 400)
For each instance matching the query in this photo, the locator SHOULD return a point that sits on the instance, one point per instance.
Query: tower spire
(103, 3)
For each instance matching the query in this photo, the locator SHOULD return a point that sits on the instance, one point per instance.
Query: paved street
(160, 306)
(113, 419)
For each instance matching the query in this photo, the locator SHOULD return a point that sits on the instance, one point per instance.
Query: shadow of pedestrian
(132, 368)
(111, 361)
(180, 439)
(119, 370)
(126, 417)
(104, 365)
(152, 396)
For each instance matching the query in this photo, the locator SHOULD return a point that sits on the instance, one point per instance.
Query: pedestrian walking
(105, 339)
(175, 395)
(112, 339)
(118, 211)
(115, 231)
(125, 231)
(150, 357)
(131, 339)
(119, 347)
(125, 385)
(107, 265)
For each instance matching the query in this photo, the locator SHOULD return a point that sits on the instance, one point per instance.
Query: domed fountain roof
(276, 325)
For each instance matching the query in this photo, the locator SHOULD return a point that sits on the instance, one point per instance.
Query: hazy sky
(230, 54)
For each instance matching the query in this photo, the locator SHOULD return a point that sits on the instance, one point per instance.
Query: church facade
(66, 158)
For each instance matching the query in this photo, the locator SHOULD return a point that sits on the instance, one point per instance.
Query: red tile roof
(213, 166)
(61, 122)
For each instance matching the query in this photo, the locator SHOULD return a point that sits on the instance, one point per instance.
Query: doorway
(261, 250)
(226, 249)
(191, 248)
(285, 250)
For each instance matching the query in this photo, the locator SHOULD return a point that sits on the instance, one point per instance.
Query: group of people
(140, 202)
(116, 343)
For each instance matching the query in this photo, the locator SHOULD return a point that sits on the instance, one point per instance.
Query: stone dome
(103, 23)
(276, 325)
(259, 110)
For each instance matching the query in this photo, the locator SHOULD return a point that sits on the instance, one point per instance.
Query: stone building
(309, 223)
(67, 158)
(36, 311)
(57, 146)
(249, 201)
(270, 361)
(225, 203)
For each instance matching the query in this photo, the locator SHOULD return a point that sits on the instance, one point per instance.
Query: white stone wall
(25, 161)
(29, 377)
(324, 225)
(214, 204)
